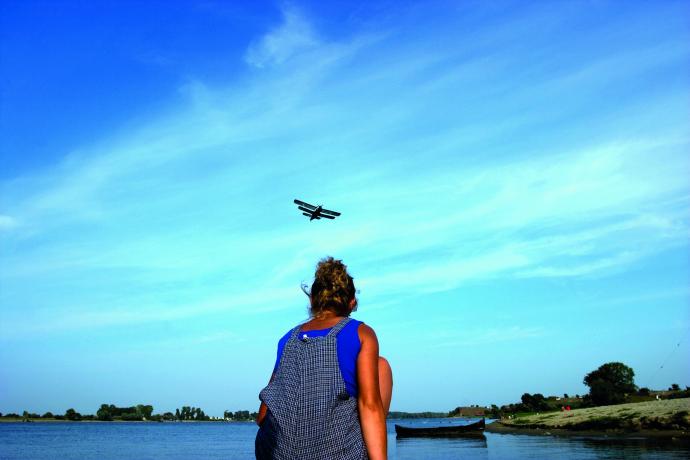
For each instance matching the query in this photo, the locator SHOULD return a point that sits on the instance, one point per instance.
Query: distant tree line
(191, 413)
(70, 414)
(140, 412)
(240, 415)
(109, 412)
(532, 403)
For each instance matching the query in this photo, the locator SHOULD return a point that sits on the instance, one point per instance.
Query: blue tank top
(348, 350)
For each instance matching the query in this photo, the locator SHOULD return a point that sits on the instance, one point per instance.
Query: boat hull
(472, 430)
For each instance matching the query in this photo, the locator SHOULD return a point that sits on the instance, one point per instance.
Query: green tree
(144, 411)
(611, 383)
(72, 415)
(241, 415)
(47, 415)
(494, 412)
(104, 413)
(177, 414)
(535, 402)
(675, 387)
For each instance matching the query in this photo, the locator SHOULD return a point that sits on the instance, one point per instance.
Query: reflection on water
(421, 448)
(496, 446)
(182, 441)
(503, 446)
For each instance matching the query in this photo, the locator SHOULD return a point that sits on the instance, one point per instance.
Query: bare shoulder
(366, 333)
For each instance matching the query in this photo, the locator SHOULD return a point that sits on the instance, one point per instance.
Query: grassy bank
(671, 416)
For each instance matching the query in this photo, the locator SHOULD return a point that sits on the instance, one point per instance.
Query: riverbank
(652, 419)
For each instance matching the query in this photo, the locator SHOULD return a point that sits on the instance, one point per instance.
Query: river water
(214, 440)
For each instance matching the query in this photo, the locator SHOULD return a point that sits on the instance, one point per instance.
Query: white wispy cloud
(196, 205)
(294, 35)
(589, 212)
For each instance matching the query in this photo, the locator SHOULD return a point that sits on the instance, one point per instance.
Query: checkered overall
(310, 414)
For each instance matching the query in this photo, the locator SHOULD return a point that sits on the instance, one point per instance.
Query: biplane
(315, 212)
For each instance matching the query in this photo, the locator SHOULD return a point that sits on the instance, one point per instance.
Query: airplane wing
(311, 215)
(306, 205)
(326, 216)
(302, 208)
(332, 213)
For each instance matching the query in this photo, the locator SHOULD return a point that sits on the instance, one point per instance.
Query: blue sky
(513, 180)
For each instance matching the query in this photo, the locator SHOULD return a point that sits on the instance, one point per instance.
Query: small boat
(448, 431)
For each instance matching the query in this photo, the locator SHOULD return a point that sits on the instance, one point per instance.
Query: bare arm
(263, 408)
(371, 412)
(262, 414)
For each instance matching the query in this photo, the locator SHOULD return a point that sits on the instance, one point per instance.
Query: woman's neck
(324, 316)
(322, 321)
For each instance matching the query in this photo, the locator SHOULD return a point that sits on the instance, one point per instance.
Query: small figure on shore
(330, 391)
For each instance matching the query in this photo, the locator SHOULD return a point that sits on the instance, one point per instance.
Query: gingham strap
(339, 327)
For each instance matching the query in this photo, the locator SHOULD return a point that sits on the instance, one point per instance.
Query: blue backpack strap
(339, 327)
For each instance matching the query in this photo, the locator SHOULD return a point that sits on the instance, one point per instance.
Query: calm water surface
(236, 441)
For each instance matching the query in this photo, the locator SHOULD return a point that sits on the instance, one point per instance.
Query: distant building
(475, 411)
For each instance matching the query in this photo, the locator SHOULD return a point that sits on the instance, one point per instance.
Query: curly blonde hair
(333, 288)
